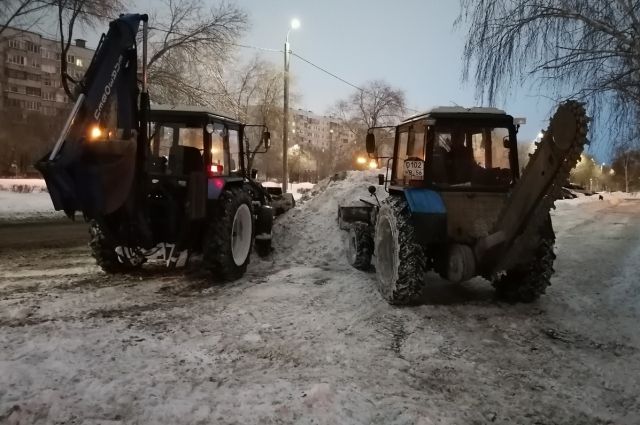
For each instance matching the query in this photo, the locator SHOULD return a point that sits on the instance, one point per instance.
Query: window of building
(31, 47)
(18, 75)
(17, 59)
(71, 59)
(34, 91)
(33, 62)
(16, 44)
(79, 62)
(32, 105)
(48, 95)
(49, 69)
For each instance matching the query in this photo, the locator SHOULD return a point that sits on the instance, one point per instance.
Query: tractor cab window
(471, 157)
(409, 164)
(192, 137)
(161, 139)
(217, 145)
(234, 151)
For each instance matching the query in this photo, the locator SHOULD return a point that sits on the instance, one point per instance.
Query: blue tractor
(458, 205)
(156, 182)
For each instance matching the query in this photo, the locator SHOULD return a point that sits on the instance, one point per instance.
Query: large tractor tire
(229, 237)
(104, 251)
(360, 247)
(527, 282)
(400, 259)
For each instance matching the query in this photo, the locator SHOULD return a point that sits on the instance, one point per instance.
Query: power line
(328, 72)
(264, 49)
(360, 89)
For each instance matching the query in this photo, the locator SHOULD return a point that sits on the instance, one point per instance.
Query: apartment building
(30, 72)
(320, 132)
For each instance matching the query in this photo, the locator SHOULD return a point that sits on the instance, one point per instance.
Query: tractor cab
(186, 139)
(194, 155)
(454, 149)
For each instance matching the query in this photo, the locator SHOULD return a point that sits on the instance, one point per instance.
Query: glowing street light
(361, 160)
(295, 23)
(373, 164)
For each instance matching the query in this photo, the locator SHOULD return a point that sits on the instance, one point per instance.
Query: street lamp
(295, 24)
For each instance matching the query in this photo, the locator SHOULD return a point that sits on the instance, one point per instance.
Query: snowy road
(306, 339)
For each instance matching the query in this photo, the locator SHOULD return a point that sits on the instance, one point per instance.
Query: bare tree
(253, 93)
(376, 104)
(188, 45)
(72, 13)
(584, 49)
(12, 11)
(626, 164)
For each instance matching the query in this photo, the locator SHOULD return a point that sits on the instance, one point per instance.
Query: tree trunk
(626, 174)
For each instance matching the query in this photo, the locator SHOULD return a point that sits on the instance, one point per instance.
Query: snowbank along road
(303, 338)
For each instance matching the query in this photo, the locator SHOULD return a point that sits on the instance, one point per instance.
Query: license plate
(414, 169)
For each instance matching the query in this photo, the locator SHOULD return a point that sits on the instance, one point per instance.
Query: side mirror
(371, 143)
(506, 143)
(380, 181)
(266, 139)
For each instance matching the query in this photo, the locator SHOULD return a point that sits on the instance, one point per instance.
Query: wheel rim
(241, 235)
(386, 255)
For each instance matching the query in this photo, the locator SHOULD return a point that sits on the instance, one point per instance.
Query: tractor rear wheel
(229, 237)
(400, 259)
(527, 282)
(360, 247)
(104, 251)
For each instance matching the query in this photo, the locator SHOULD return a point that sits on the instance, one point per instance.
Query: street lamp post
(285, 121)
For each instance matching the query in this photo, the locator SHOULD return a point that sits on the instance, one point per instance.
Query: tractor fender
(217, 185)
(429, 215)
(264, 222)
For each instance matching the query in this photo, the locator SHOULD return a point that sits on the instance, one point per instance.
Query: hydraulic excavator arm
(100, 153)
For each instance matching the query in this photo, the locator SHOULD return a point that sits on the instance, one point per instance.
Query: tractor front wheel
(229, 237)
(400, 259)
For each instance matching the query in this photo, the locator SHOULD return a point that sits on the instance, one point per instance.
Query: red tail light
(216, 169)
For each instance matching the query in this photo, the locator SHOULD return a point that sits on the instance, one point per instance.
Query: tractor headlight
(373, 164)
(361, 160)
(95, 133)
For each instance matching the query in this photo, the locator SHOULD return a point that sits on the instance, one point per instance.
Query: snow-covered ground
(23, 185)
(26, 206)
(303, 338)
(27, 199)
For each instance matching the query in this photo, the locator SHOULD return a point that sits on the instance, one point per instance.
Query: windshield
(471, 157)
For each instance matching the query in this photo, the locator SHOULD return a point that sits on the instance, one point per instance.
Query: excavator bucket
(93, 165)
(95, 178)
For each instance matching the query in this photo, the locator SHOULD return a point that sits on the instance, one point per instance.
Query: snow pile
(23, 185)
(297, 189)
(310, 231)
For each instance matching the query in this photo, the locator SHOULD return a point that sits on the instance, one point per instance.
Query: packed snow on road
(304, 338)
